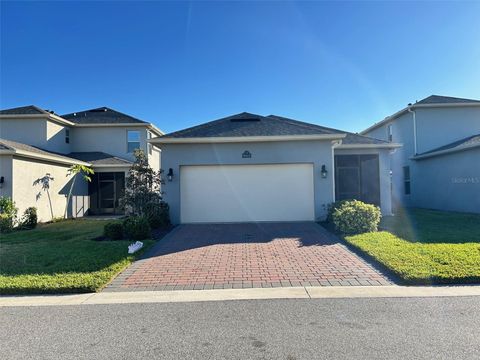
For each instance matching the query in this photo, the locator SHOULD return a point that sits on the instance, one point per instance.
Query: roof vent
(98, 110)
(245, 119)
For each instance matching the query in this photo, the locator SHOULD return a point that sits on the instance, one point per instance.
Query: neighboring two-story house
(37, 147)
(438, 166)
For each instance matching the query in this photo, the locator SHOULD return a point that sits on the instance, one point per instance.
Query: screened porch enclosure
(105, 190)
(357, 177)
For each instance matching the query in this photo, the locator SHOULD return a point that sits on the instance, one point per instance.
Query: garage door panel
(237, 193)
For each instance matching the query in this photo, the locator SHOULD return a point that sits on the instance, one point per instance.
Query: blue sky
(177, 64)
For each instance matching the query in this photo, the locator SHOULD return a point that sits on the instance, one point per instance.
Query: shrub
(332, 207)
(356, 217)
(113, 231)
(136, 228)
(8, 214)
(157, 214)
(29, 218)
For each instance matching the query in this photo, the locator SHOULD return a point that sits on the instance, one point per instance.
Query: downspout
(335, 144)
(414, 128)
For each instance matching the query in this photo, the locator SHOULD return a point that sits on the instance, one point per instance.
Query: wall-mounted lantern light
(170, 174)
(324, 172)
(2, 180)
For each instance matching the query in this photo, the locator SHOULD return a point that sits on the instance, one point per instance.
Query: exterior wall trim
(31, 155)
(370, 146)
(51, 117)
(444, 152)
(239, 139)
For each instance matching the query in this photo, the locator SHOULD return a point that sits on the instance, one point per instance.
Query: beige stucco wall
(56, 138)
(154, 159)
(40, 132)
(25, 194)
(27, 131)
(6, 172)
(111, 140)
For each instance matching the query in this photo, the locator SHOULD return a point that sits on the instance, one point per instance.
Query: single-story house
(249, 167)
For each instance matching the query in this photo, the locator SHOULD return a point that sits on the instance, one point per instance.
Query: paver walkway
(219, 256)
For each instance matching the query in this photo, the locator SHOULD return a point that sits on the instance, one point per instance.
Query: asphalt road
(408, 328)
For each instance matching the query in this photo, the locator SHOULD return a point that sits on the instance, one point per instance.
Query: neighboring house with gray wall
(438, 166)
(249, 167)
(37, 147)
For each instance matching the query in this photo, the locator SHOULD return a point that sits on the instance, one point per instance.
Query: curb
(308, 292)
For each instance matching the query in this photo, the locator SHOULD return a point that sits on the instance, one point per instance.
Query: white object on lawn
(132, 248)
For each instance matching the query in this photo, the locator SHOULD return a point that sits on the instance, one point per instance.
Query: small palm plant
(73, 171)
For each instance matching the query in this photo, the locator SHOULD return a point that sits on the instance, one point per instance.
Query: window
(67, 136)
(133, 140)
(389, 132)
(406, 179)
(149, 146)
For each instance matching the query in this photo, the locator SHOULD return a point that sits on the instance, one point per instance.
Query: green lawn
(60, 258)
(427, 246)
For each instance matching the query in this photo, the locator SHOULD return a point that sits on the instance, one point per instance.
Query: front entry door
(106, 190)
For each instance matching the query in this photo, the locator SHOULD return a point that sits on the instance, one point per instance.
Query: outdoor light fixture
(170, 174)
(2, 180)
(324, 172)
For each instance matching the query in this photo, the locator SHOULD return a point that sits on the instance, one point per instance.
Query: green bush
(137, 228)
(113, 231)
(8, 214)
(356, 217)
(332, 207)
(157, 214)
(29, 219)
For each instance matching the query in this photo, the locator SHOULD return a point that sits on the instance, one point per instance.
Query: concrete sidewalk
(240, 294)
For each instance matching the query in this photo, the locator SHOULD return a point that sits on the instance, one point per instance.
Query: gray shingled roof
(99, 158)
(102, 115)
(467, 142)
(437, 99)
(14, 145)
(247, 124)
(24, 110)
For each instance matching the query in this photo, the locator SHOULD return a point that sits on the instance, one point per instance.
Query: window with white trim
(133, 140)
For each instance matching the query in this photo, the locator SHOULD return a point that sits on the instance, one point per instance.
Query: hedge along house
(252, 168)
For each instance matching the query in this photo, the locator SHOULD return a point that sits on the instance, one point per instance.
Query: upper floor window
(389, 133)
(67, 136)
(133, 140)
(406, 179)
(149, 146)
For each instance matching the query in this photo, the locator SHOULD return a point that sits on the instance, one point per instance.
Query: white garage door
(242, 193)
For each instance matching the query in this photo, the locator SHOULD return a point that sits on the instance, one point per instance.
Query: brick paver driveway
(247, 255)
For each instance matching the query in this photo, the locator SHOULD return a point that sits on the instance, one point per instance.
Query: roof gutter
(52, 117)
(240, 139)
(370, 146)
(409, 109)
(444, 152)
(111, 165)
(32, 155)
